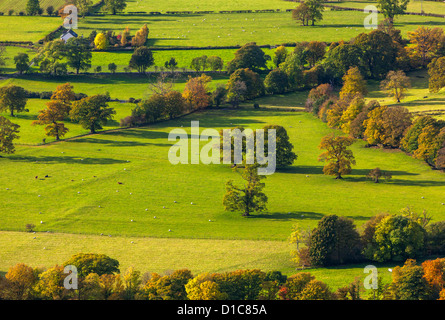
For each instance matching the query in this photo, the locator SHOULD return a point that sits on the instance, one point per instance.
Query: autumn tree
(353, 84)
(434, 274)
(396, 84)
(101, 41)
(51, 284)
(92, 112)
(53, 116)
(408, 282)
(196, 92)
(410, 140)
(436, 71)
(315, 51)
(302, 14)
(337, 156)
(387, 125)
(13, 98)
(248, 198)
(8, 132)
(317, 96)
(21, 279)
(141, 36)
(356, 106)
(175, 104)
(203, 287)
(141, 59)
(426, 42)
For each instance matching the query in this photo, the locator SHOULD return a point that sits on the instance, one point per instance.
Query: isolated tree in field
(248, 56)
(280, 55)
(8, 132)
(426, 42)
(78, 54)
(392, 8)
(436, 71)
(141, 59)
(112, 67)
(315, 10)
(171, 64)
(215, 63)
(32, 7)
(276, 81)
(396, 84)
(302, 14)
(141, 36)
(353, 84)
(284, 155)
(248, 198)
(337, 156)
(115, 5)
(92, 112)
(57, 110)
(196, 92)
(53, 116)
(101, 41)
(12, 98)
(21, 61)
(376, 174)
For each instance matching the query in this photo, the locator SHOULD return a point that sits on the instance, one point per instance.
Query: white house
(68, 34)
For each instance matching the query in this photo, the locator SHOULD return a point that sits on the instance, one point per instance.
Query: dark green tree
(248, 56)
(92, 112)
(141, 59)
(78, 54)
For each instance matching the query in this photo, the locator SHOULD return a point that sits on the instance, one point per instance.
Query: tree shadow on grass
(65, 159)
(283, 216)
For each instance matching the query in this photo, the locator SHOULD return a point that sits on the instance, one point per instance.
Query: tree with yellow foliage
(353, 84)
(101, 41)
(196, 92)
(337, 156)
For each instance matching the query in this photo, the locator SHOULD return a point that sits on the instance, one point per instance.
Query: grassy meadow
(237, 29)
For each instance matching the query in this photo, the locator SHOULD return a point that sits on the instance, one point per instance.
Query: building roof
(69, 31)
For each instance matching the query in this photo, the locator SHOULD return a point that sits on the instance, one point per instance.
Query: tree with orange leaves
(196, 92)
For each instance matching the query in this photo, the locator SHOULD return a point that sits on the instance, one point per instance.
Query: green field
(237, 29)
(436, 7)
(27, 28)
(20, 5)
(216, 5)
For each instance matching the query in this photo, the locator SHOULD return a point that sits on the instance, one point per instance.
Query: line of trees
(383, 238)
(99, 278)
